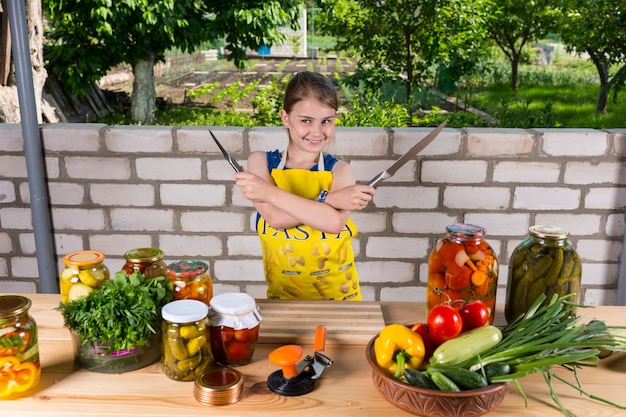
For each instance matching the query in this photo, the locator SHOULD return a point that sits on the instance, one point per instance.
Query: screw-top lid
(236, 310)
(144, 255)
(83, 258)
(12, 305)
(186, 268)
(184, 311)
(464, 231)
(548, 232)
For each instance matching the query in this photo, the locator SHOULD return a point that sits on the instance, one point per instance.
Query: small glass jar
(185, 349)
(20, 369)
(463, 267)
(149, 261)
(84, 271)
(544, 263)
(191, 281)
(235, 321)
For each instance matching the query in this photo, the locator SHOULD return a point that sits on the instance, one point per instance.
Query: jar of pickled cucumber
(149, 261)
(19, 349)
(235, 321)
(84, 272)
(544, 263)
(191, 280)
(185, 349)
(463, 267)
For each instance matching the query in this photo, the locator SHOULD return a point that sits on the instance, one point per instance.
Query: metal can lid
(144, 255)
(187, 268)
(236, 310)
(184, 311)
(83, 258)
(548, 232)
(218, 386)
(12, 305)
(465, 230)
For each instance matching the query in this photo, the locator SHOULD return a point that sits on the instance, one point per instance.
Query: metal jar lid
(83, 258)
(186, 268)
(13, 305)
(144, 255)
(548, 232)
(218, 386)
(466, 230)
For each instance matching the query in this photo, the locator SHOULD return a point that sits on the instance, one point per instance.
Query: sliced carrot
(478, 278)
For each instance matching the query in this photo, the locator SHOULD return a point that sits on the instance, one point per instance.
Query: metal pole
(32, 147)
(621, 283)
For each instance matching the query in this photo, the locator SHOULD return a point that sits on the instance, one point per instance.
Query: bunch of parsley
(123, 314)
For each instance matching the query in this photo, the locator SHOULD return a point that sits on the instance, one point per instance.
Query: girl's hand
(352, 198)
(253, 187)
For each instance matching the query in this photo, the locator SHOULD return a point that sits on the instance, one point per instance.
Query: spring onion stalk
(550, 334)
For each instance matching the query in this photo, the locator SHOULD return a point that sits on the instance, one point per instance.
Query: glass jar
(235, 321)
(185, 350)
(19, 349)
(544, 263)
(149, 261)
(84, 271)
(463, 267)
(190, 280)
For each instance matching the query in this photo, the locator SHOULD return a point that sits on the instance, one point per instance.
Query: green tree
(407, 37)
(598, 28)
(517, 23)
(87, 38)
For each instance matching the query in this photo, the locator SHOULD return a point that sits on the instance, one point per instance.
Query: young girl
(304, 199)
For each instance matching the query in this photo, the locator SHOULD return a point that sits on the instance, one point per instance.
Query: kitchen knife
(405, 158)
(229, 158)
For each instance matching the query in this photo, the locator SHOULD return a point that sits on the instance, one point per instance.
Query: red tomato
(228, 333)
(237, 351)
(444, 323)
(474, 314)
(429, 347)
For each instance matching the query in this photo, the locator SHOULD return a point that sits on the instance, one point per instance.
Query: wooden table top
(345, 389)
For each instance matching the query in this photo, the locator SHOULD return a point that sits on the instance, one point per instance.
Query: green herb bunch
(123, 314)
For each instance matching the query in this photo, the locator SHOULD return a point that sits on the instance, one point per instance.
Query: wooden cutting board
(295, 321)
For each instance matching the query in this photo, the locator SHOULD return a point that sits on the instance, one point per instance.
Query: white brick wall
(123, 187)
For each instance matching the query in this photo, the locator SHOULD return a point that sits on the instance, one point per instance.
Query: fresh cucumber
(462, 377)
(496, 369)
(444, 383)
(419, 379)
(466, 346)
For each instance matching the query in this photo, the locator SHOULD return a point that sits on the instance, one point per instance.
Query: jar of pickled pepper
(190, 280)
(19, 348)
(544, 263)
(84, 272)
(463, 267)
(149, 261)
(235, 321)
(185, 349)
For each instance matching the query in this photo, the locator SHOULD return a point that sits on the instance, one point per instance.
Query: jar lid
(184, 311)
(83, 258)
(463, 230)
(186, 268)
(218, 386)
(236, 310)
(144, 255)
(548, 232)
(12, 305)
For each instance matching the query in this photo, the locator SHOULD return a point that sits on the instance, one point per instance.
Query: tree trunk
(603, 95)
(143, 99)
(515, 71)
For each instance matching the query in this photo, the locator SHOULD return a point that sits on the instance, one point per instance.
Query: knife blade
(229, 158)
(407, 156)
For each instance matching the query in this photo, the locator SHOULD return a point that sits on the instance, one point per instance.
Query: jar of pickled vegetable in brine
(463, 267)
(149, 261)
(185, 349)
(544, 263)
(84, 272)
(19, 349)
(191, 280)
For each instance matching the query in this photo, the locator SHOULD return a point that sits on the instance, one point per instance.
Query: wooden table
(345, 389)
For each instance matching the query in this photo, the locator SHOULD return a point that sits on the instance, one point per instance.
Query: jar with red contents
(191, 280)
(463, 267)
(149, 261)
(234, 332)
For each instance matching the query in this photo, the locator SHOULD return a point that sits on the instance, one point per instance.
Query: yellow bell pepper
(16, 376)
(398, 348)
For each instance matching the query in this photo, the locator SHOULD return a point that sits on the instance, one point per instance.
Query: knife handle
(377, 179)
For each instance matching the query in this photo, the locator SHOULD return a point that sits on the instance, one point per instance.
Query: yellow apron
(302, 262)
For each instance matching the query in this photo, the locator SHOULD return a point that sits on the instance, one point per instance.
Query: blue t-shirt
(274, 157)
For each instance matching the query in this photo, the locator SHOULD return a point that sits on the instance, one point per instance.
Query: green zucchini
(466, 346)
(419, 379)
(444, 383)
(462, 377)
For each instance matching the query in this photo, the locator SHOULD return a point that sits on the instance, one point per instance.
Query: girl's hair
(310, 84)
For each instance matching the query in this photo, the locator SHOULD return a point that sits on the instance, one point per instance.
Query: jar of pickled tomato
(84, 272)
(19, 349)
(463, 267)
(149, 261)
(190, 280)
(235, 321)
(185, 349)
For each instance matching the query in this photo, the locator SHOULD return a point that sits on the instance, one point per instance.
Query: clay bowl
(431, 403)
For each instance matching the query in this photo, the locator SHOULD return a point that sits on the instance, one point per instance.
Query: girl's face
(311, 124)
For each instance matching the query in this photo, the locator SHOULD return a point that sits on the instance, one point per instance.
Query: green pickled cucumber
(569, 262)
(177, 348)
(537, 288)
(517, 258)
(542, 266)
(188, 364)
(193, 330)
(516, 304)
(555, 268)
(195, 344)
